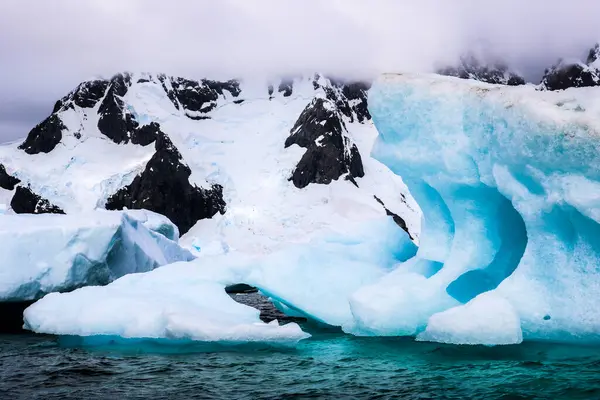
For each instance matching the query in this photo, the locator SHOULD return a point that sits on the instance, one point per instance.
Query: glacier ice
(326, 271)
(186, 300)
(51, 252)
(175, 302)
(488, 319)
(508, 180)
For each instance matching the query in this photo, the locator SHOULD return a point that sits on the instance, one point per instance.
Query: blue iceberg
(508, 179)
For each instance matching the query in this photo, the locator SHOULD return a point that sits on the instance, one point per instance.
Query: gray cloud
(48, 47)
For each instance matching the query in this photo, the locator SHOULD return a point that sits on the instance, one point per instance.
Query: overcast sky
(48, 46)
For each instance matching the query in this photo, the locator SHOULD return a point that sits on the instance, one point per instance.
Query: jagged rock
(330, 152)
(25, 201)
(349, 97)
(286, 86)
(115, 121)
(146, 134)
(397, 219)
(164, 187)
(197, 97)
(469, 67)
(7, 181)
(86, 95)
(44, 137)
(567, 74)
(593, 55)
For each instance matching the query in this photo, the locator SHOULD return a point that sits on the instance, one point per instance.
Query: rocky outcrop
(146, 134)
(593, 57)
(350, 98)
(86, 95)
(164, 187)
(567, 74)
(115, 121)
(469, 67)
(329, 151)
(397, 219)
(44, 137)
(7, 181)
(197, 98)
(286, 87)
(25, 201)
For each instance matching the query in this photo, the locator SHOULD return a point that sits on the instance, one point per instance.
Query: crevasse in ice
(508, 180)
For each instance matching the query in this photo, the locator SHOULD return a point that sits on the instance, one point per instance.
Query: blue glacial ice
(508, 180)
(50, 252)
(177, 303)
(187, 301)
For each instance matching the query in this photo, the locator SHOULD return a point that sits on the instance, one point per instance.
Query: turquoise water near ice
(329, 365)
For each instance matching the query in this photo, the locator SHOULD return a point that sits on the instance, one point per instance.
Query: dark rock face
(564, 75)
(164, 187)
(469, 67)
(197, 97)
(7, 181)
(86, 95)
(25, 201)
(350, 98)
(397, 219)
(115, 121)
(593, 54)
(146, 134)
(286, 86)
(330, 152)
(268, 312)
(44, 137)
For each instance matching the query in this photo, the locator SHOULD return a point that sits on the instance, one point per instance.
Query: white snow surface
(51, 252)
(240, 147)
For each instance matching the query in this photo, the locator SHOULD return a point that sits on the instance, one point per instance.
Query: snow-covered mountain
(258, 163)
(470, 67)
(574, 73)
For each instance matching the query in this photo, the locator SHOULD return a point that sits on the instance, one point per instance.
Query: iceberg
(508, 180)
(51, 252)
(181, 301)
(188, 300)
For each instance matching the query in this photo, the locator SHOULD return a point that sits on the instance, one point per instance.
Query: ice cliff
(49, 253)
(508, 180)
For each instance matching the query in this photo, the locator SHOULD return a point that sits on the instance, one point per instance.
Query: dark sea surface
(328, 365)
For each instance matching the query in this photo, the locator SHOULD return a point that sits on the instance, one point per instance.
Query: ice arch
(508, 180)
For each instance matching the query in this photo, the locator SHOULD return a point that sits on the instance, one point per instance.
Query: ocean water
(329, 365)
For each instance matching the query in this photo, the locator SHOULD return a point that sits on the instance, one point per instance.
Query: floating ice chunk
(488, 319)
(47, 253)
(178, 301)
